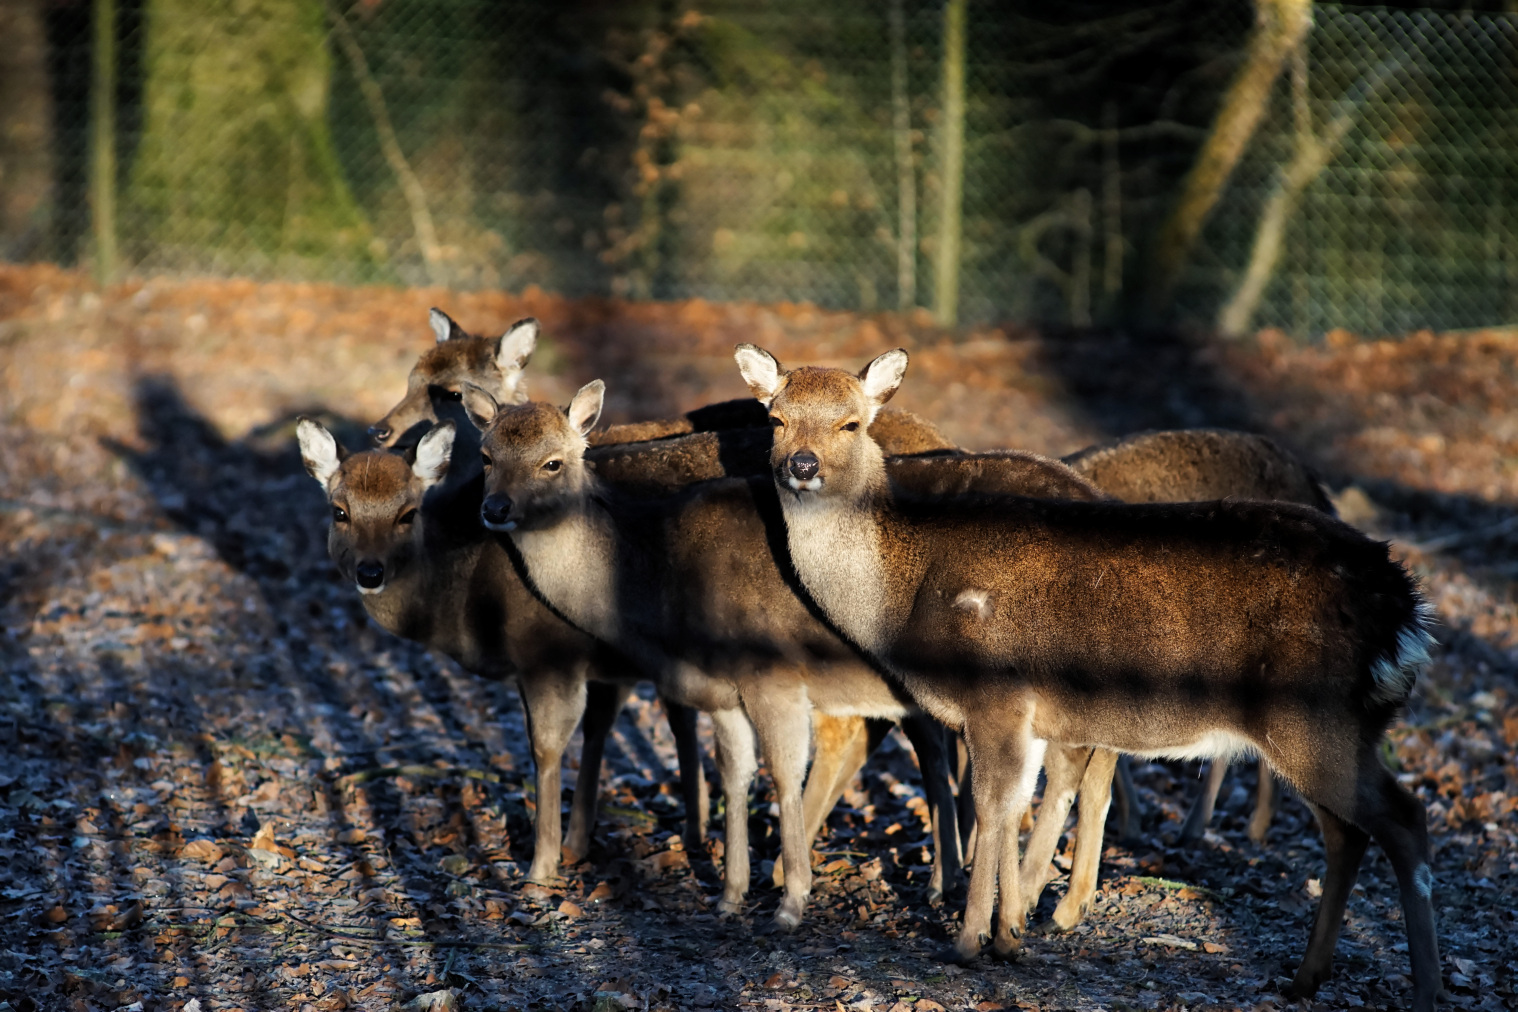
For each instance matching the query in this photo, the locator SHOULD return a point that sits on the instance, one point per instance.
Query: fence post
(906, 175)
(103, 141)
(952, 165)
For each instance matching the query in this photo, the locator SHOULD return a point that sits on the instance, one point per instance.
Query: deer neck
(571, 562)
(836, 546)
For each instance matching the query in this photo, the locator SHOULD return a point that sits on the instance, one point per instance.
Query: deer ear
(319, 450)
(479, 405)
(512, 352)
(433, 452)
(443, 326)
(585, 409)
(760, 371)
(883, 375)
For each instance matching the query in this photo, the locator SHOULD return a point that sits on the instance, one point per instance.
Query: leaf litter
(226, 790)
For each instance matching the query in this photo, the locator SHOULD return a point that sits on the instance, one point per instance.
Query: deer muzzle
(803, 466)
(495, 512)
(370, 576)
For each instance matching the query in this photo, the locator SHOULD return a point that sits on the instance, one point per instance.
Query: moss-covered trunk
(236, 165)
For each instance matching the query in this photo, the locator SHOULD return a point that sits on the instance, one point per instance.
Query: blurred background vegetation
(1220, 164)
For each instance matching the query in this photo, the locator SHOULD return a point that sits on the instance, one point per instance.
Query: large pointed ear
(479, 405)
(585, 409)
(319, 450)
(883, 375)
(760, 371)
(443, 326)
(512, 352)
(432, 454)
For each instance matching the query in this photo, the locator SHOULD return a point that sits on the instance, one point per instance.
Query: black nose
(496, 509)
(370, 574)
(379, 433)
(804, 465)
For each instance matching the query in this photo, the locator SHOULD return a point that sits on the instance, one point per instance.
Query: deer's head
(820, 419)
(534, 456)
(376, 500)
(494, 364)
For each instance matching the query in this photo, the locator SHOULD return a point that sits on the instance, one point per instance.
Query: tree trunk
(236, 166)
(906, 175)
(103, 141)
(26, 148)
(1281, 25)
(952, 166)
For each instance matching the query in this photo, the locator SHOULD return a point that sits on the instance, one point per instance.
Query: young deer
(428, 572)
(691, 586)
(1182, 630)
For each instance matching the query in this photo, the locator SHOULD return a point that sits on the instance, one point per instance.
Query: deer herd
(809, 566)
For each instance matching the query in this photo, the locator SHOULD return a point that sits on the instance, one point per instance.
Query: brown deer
(1200, 629)
(692, 587)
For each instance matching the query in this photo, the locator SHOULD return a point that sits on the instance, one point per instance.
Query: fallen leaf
(774, 980)
(600, 893)
(433, 1001)
(570, 910)
(1214, 947)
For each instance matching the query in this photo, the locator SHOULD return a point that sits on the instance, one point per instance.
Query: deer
(1155, 466)
(693, 586)
(1182, 630)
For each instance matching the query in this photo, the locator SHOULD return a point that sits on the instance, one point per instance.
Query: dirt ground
(222, 788)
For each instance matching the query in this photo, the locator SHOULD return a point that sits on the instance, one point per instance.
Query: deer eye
(776, 423)
(849, 427)
(407, 518)
(339, 515)
(454, 395)
(553, 465)
(486, 461)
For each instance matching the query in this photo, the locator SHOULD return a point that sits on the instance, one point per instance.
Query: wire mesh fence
(781, 150)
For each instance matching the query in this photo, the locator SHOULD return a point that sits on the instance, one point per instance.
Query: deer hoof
(966, 949)
(727, 908)
(1066, 918)
(788, 917)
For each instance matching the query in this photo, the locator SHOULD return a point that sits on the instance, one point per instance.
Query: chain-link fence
(779, 150)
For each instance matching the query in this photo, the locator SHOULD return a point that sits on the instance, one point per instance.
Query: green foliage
(236, 163)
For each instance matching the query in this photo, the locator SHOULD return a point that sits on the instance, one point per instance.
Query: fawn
(1185, 630)
(694, 586)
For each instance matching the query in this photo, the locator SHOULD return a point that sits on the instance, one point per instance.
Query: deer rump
(1136, 627)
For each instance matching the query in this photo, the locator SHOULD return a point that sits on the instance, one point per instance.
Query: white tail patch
(1394, 676)
(976, 602)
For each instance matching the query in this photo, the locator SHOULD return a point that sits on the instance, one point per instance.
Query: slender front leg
(1064, 766)
(1130, 814)
(1264, 804)
(554, 702)
(1344, 847)
(1010, 923)
(682, 724)
(1095, 794)
(998, 753)
(927, 738)
(603, 702)
(1201, 809)
(782, 718)
(736, 765)
(840, 746)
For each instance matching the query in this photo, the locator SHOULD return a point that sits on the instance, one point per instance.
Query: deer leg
(736, 764)
(603, 702)
(782, 717)
(1400, 825)
(927, 738)
(964, 777)
(1012, 916)
(1130, 814)
(1202, 806)
(682, 724)
(1095, 795)
(553, 704)
(1063, 769)
(1344, 844)
(840, 746)
(1264, 804)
